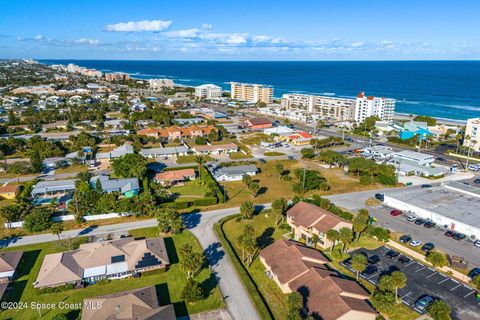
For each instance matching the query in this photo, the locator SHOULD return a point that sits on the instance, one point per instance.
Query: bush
(179, 205)
(65, 287)
(387, 180)
(205, 201)
(38, 220)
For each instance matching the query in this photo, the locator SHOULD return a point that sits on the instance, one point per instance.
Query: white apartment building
(472, 134)
(251, 92)
(367, 106)
(159, 84)
(334, 108)
(208, 91)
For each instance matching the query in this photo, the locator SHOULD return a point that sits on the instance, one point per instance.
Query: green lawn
(191, 159)
(273, 153)
(240, 155)
(190, 190)
(168, 284)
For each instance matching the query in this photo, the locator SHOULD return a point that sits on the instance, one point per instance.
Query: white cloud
(39, 37)
(206, 26)
(187, 33)
(138, 26)
(91, 42)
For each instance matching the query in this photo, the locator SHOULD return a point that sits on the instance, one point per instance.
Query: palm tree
(359, 263)
(333, 236)
(200, 161)
(57, 229)
(399, 280)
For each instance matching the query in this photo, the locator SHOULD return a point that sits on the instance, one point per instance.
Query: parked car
(477, 243)
(441, 159)
(347, 262)
(427, 247)
(405, 238)
(426, 185)
(379, 196)
(423, 303)
(429, 224)
(291, 158)
(369, 270)
(449, 233)
(415, 243)
(420, 221)
(348, 139)
(459, 236)
(477, 181)
(373, 259)
(411, 218)
(392, 254)
(395, 212)
(262, 161)
(475, 272)
(404, 260)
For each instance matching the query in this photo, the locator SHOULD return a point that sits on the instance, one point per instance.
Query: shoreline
(407, 116)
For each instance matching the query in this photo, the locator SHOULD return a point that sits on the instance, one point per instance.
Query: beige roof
(175, 175)
(9, 260)
(9, 188)
(226, 146)
(289, 259)
(309, 215)
(138, 304)
(68, 266)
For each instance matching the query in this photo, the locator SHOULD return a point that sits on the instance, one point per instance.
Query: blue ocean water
(443, 89)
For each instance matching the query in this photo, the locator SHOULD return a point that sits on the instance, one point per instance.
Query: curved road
(238, 303)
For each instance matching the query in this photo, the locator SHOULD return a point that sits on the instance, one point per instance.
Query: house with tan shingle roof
(307, 220)
(138, 304)
(9, 261)
(173, 132)
(111, 259)
(175, 177)
(327, 295)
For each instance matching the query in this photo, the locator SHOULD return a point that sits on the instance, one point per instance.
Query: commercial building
(368, 106)
(472, 134)
(413, 129)
(452, 204)
(208, 91)
(117, 76)
(110, 259)
(139, 304)
(307, 220)
(159, 84)
(334, 108)
(251, 92)
(259, 123)
(327, 295)
(422, 159)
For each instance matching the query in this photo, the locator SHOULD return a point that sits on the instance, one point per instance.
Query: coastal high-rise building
(472, 134)
(208, 91)
(368, 106)
(159, 84)
(251, 92)
(334, 108)
(117, 76)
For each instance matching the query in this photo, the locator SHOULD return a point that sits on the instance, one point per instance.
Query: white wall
(70, 217)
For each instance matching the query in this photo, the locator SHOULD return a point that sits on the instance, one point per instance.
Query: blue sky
(241, 30)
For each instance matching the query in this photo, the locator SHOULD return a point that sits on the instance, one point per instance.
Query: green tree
(359, 263)
(360, 223)
(169, 220)
(213, 135)
(254, 187)
(384, 301)
(385, 283)
(439, 310)
(246, 179)
(191, 261)
(191, 291)
(247, 210)
(279, 207)
(437, 259)
(280, 169)
(200, 161)
(36, 161)
(346, 237)
(37, 220)
(130, 166)
(399, 280)
(295, 304)
(333, 236)
(476, 282)
(57, 229)
(248, 244)
(60, 316)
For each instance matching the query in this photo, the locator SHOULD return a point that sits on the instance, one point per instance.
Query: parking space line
(469, 293)
(410, 264)
(446, 278)
(454, 280)
(421, 269)
(432, 274)
(469, 288)
(455, 287)
(406, 294)
(431, 269)
(371, 276)
(371, 281)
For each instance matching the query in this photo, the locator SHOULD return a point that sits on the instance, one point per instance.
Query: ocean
(442, 89)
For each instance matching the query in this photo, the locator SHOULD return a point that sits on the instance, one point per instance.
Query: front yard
(168, 284)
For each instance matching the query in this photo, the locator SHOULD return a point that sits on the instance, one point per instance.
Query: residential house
(175, 177)
(55, 162)
(327, 295)
(172, 133)
(176, 102)
(165, 152)
(115, 153)
(233, 173)
(54, 187)
(307, 220)
(215, 148)
(55, 125)
(127, 187)
(110, 259)
(9, 261)
(9, 191)
(257, 123)
(114, 123)
(139, 304)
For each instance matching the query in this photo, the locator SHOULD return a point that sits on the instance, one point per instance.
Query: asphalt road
(356, 200)
(200, 224)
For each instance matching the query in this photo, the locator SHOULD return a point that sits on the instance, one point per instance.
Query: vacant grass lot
(168, 284)
(189, 191)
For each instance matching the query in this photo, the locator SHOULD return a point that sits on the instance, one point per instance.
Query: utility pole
(304, 180)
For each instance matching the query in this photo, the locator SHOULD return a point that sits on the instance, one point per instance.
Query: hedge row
(184, 204)
(248, 283)
(212, 184)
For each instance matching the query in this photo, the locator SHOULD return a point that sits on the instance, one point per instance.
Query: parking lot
(421, 280)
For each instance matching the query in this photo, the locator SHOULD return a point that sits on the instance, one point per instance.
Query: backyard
(191, 190)
(168, 284)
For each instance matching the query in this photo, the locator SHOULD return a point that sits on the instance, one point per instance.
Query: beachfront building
(333, 108)
(159, 84)
(117, 76)
(472, 134)
(368, 106)
(208, 91)
(251, 92)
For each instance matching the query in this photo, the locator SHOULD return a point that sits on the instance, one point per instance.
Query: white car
(415, 243)
(411, 218)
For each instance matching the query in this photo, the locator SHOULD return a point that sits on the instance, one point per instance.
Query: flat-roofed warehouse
(453, 204)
